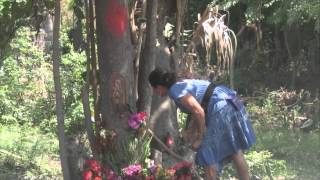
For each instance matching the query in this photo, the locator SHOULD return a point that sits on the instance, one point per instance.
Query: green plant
(24, 151)
(134, 149)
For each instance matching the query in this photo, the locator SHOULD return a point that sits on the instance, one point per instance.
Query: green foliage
(26, 85)
(27, 106)
(276, 118)
(72, 68)
(277, 12)
(261, 164)
(25, 153)
(25, 80)
(20, 13)
(182, 120)
(133, 149)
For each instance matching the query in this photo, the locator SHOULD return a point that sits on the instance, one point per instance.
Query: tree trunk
(292, 39)
(163, 120)
(138, 47)
(148, 60)
(59, 109)
(115, 61)
(276, 62)
(94, 71)
(178, 50)
(85, 91)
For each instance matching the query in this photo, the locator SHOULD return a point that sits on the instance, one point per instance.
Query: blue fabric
(194, 87)
(228, 127)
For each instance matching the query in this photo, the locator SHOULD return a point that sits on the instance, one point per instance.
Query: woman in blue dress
(224, 128)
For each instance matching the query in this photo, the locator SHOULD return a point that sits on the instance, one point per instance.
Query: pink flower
(86, 175)
(110, 174)
(132, 170)
(169, 140)
(136, 120)
(142, 115)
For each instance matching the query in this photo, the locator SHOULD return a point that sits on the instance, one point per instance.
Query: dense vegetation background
(277, 70)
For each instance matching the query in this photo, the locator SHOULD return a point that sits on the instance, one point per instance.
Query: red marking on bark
(116, 18)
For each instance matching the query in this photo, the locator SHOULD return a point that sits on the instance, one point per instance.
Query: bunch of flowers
(137, 119)
(94, 171)
(132, 172)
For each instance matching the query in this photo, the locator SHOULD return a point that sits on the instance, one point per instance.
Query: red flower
(86, 175)
(93, 165)
(182, 164)
(142, 116)
(136, 120)
(97, 178)
(150, 178)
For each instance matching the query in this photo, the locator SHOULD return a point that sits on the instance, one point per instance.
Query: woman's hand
(190, 103)
(196, 144)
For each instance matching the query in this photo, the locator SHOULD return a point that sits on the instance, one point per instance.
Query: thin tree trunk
(275, 62)
(141, 39)
(177, 54)
(94, 74)
(85, 90)
(148, 60)
(290, 58)
(59, 105)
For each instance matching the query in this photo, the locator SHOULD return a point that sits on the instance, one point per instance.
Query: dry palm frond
(214, 34)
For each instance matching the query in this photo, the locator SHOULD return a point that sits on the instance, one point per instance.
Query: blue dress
(228, 129)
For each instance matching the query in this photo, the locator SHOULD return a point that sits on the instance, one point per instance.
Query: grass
(25, 153)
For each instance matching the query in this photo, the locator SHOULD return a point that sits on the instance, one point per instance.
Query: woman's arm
(189, 102)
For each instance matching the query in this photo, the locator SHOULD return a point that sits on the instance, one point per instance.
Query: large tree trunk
(59, 109)
(148, 60)
(163, 120)
(115, 61)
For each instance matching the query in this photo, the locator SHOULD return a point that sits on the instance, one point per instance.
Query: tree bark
(148, 61)
(59, 105)
(275, 63)
(85, 91)
(138, 47)
(115, 62)
(292, 40)
(94, 71)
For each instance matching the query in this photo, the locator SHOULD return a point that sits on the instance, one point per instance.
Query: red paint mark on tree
(116, 18)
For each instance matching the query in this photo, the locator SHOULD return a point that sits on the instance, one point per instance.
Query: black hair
(162, 77)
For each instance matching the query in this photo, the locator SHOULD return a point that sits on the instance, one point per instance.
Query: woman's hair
(162, 77)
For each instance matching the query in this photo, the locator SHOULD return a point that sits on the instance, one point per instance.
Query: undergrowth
(25, 153)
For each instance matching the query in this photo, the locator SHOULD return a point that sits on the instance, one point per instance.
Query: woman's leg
(210, 172)
(241, 165)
